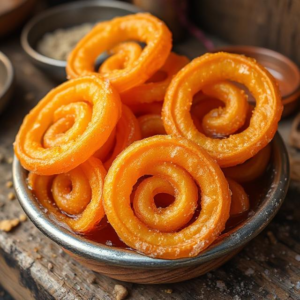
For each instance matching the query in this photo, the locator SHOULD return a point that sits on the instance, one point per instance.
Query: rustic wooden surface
(265, 269)
(267, 23)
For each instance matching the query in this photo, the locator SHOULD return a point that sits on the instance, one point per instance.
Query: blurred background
(269, 23)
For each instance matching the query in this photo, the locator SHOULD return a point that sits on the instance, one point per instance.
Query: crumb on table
(120, 292)
(8, 225)
(22, 217)
(11, 196)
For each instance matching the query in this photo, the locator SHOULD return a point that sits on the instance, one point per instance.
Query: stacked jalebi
(146, 123)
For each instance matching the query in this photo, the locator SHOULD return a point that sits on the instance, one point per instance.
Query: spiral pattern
(122, 56)
(73, 198)
(68, 126)
(176, 215)
(106, 35)
(167, 158)
(206, 70)
(227, 120)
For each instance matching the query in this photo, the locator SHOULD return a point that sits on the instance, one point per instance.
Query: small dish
(6, 80)
(282, 68)
(64, 16)
(130, 266)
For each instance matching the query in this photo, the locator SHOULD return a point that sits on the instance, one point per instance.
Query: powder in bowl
(59, 43)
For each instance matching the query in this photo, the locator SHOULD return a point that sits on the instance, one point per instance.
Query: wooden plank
(270, 23)
(263, 270)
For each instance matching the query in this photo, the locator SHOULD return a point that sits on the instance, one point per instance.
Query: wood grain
(272, 24)
(262, 270)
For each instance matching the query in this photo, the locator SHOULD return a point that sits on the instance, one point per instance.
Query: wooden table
(33, 267)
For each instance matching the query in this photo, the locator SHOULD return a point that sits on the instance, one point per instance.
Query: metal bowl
(130, 266)
(65, 16)
(6, 80)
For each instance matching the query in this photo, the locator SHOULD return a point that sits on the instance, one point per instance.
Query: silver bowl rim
(126, 258)
(65, 7)
(10, 74)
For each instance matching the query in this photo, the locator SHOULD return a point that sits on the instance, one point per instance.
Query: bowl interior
(270, 201)
(281, 67)
(70, 15)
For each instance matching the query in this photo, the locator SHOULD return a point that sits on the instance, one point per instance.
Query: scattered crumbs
(8, 225)
(168, 291)
(91, 279)
(22, 217)
(50, 266)
(39, 256)
(77, 287)
(236, 297)
(11, 196)
(60, 251)
(120, 292)
(36, 249)
(297, 286)
(54, 255)
(9, 184)
(249, 272)
(297, 257)
(272, 238)
(9, 160)
(220, 285)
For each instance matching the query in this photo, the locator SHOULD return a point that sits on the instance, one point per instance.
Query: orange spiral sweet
(176, 215)
(75, 197)
(239, 199)
(67, 126)
(127, 131)
(150, 125)
(252, 168)
(106, 35)
(201, 108)
(123, 56)
(155, 88)
(225, 121)
(206, 70)
(174, 160)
